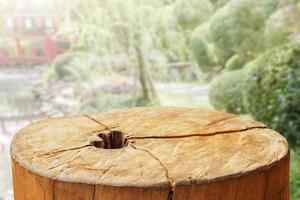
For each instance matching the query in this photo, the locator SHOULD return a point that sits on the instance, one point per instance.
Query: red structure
(30, 40)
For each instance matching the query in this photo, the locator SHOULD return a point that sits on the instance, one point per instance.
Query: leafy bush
(203, 49)
(296, 43)
(295, 174)
(272, 90)
(281, 25)
(104, 100)
(73, 66)
(191, 13)
(237, 28)
(219, 3)
(168, 31)
(235, 62)
(226, 91)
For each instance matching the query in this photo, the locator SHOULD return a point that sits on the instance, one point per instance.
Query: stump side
(262, 185)
(30, 186)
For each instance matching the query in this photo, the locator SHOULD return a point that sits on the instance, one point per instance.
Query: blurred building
(30, 39)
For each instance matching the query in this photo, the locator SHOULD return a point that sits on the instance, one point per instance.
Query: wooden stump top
(146, 147)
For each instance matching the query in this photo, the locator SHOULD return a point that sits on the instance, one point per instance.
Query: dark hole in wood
(112, 140)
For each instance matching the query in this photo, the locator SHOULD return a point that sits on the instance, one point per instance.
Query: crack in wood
(172, 183)
(63, 150)
(186, 135)
(266, 184)
(53, 186)
(196, 134)
(221, 120)
(98, 122)
(94, 192)
(106, 170)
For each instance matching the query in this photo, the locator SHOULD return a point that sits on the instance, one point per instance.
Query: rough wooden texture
(168, 153)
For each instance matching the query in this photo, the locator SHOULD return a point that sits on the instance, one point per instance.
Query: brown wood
(159, 153)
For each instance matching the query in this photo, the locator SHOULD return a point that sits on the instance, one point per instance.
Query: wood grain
(154, 153)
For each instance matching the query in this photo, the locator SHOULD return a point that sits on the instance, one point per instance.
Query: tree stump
(159, 153)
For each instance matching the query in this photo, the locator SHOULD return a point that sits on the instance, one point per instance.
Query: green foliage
(236, 28)
(269, 6)
(219, 3)
(103, 101)
(281, 25)
(226, 91)
(114, 27)
(296, 44)
(235, 62)
(167, 31)
(73, 66)
(191, 13)
(203, 49)
(295, 174)
(272, 92)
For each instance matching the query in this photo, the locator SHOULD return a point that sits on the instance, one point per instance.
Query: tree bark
(145, 78)
(157, 153)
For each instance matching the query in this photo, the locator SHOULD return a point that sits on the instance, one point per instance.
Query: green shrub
(103, 101)
(295, 174)
(269, 6)
(235, 62)
(226, 91)
(203, 49)
(281, 25)
(219, 3)
(191, 13)
(74, 66)
(296, 43)
(272, 90)
(237, 28)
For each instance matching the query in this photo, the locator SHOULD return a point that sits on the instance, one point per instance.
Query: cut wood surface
(150, 153)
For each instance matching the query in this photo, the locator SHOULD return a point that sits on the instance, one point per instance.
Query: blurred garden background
(78, 56)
